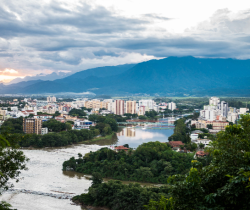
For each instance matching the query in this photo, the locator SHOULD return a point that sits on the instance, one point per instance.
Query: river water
(45, 178)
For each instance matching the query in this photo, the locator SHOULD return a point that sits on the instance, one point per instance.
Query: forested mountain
(173, 76)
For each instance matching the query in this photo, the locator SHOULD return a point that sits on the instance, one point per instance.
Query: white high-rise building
(172, 106)
(51, 99)
(149, 104)
(224, 108)
(213, 101)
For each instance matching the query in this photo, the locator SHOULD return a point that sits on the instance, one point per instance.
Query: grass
(100, 138)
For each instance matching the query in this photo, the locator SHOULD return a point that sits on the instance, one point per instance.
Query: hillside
(169, 76)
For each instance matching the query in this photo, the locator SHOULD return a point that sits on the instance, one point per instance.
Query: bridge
(160, 124)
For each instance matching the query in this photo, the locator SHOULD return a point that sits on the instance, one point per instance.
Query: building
(118, 107)
(172, 106)
(175, 143)
(213, 101)
(42, 103)
(148, 104)
(224, 108)
(32, 125)
(44, 131)
(217, 124)
(131, 107)
(202, 141)
(119, 148)
(201, 154)
(51, 99)
(83, 124)
(142, 110)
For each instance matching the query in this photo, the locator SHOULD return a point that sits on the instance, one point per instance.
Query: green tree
(209, 126)
(11, 164)
(224, 183)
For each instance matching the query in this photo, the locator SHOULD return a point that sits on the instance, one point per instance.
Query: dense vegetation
(13, 125)
(221, 185)
(182, 133)
(61, 134)
(12, 163)
(118, 196)
(77, 112)
(56, 126)
(150, 162)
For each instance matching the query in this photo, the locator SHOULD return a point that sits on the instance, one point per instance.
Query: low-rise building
(119, 148)
(44, 131)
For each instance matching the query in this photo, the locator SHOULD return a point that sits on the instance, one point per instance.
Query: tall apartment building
(224, 108)
(118, 107)
(148, 104)
(131, 107)
(172, 106)
(31, 125)
(51, 99)
(96, 104)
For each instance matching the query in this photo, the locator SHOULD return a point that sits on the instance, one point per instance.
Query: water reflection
(136, 136)
(128, 132)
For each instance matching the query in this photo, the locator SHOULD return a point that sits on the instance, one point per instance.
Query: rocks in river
(58, 196)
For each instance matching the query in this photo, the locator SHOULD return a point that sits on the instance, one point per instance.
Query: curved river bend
(46, 186)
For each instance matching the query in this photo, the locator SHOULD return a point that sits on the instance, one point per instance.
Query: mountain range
(173, 76)
(51, 77)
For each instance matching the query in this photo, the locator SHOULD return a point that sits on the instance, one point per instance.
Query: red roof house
(175, 143)
(201, 154)
(119, 148)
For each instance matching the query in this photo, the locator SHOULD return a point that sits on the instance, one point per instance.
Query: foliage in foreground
(150, 162)
(12, 161)
(222, 185)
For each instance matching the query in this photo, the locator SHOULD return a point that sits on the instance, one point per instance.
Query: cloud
(8, 71)
(75, 35)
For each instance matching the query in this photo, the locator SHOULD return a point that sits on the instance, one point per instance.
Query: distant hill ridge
(169, 76)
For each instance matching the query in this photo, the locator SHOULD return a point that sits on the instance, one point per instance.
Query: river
(45, 178)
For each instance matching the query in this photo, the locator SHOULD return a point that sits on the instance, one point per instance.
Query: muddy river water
(46, 186)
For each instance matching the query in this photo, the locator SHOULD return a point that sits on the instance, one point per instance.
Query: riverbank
(87, 207)
(107, 137)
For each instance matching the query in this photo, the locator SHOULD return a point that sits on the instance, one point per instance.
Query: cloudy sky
(48, 36)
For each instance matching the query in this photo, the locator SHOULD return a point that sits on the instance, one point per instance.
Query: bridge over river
(163, 123)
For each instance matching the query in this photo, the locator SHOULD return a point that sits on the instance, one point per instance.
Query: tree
(113, 124)
(77, 112)
(224, 183)
(142, 117)
(56, 114)
(11, 164)
(96, 179)
(209, 126)
(201, 146)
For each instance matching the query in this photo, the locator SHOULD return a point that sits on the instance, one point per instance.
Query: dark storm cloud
(59, 44)
(101, 53)
(181, 43)
(54, 20)
(42, 35)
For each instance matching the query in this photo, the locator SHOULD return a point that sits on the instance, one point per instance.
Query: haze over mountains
(51, 77)
(170, 76)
